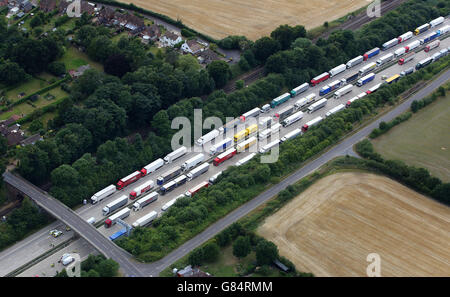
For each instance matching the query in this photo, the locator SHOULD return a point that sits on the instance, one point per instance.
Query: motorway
(88, 211)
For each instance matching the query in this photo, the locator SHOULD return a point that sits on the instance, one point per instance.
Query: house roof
(209, 56)
(194, 45)
(47, 5)
(152, 30)
(14, 138)
(171, 35)
(31, 140)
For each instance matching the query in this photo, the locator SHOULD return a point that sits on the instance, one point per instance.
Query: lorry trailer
(399, 52)
(373, 89)
(331, 87)
(421, 29)
(432, 45)
(352, 77)
(145, 220)
(392, 79)
(384, 59)
(300, 89)
(338, 69)
(245, 160)
(122, 214)
(118, 234)
(388, 44)
(196, 189)
(143, 202)
(246, 132)
(152, 167)
(407, 71)
(429, 37)
(269, 146)
(268, 132)
(424, 63)
(245, 144)
(265, 122)
(182, 179)
(280, 100)
(230, 126)
(284, 113)
(175, 154)
(128, 180)
(315, 106)
(412, 45)
(363, 80)
(335, 110)
(197, 171)
(354, 61)
(292, 119)
(291, 135)
(100, 195)
(169, 204)
(224, 156)
(437, 21)
(208, 137)
(311, 123)
(371, 53)
(168, 175)
(341, 92)
(144, 188)
(250, 114)
(367, 68)
(405, 36)
(220, 146)
(192, 162)
(213, 178)
(116, 204)
(167, 187)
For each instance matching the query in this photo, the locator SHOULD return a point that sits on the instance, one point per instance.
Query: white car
(66, 259)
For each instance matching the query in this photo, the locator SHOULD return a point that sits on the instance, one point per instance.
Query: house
(134, 23)
(3, 3)
(15, 137)
(62, 8)
(188, 271)
(207, 56)
(87, 7)
(192, 46)
(31, 140)
(47, 5)
(170, 39)
(152, 31)
(79, 72)
(106, 16)
(27, 6)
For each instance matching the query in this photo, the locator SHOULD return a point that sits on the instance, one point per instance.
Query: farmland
(252, 18)
(332, 226)
(420, 142)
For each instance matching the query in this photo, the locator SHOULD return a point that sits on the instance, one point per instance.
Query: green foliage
(241, 247)
(187, 33)
(96, 266)
(266, 252)
(384, 127)
(220, 72)
(57, 68)
(239, 84)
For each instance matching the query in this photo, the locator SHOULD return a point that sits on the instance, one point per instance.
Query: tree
(117, 64)
(100, 48)
(57, 68)
(3, 145)
(266, 252)
(211, 252)
(36, 125)
(241, 247)
(265, 47)
(220, 72)
(284, 34)
(11, 73)
(239, 84)
(36, 21)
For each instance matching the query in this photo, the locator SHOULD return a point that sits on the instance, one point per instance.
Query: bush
(57, 68)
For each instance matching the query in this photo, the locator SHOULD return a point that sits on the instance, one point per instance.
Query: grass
(422, 140)
(29, 87)
(73, 59)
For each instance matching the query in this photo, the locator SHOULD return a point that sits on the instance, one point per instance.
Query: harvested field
(421, 140)
(331, 228)
(218, 18)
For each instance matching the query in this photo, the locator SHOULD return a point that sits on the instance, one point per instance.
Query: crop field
(218, 18)
(332, 226)
(421, 141)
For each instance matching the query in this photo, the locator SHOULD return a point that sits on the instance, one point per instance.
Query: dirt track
(332, 227)
(251, 18)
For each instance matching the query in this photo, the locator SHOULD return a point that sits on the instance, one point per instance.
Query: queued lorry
(220, 146)
(122, 214)
(252, 129)
(355, 61)
(421, 29)
(208, 137)
(371, 53)
(300, 89)
(311, 123)
(320, 78)
(100, 195)
(269, 146)
(335, 110)
(230, 126)
(367, 68)
(284, 113)
(315, 106)
(167, 187)
(305, 100)
(388, 44)
(294, 133)
(408, 57)
(240, 147)
(338, 69)
(168, 175)
(169, 204)
(437, 21)
(116, 204)
(197, 188)
(352, 77)
(399, 52)
(144, 188)
(412, 45)
(341, 92)
(152, 167)
(250, 114)
(430, 37)
(192, 162)
(365, 79)
(424, 63)
(145, 220)
(373, 89)
(292, 119)
(143, 202)
(331, 87)
(405, 36)
(280, 100)
(349, 102)
(245, 160)
(268, 132)
(175, 154)
(432, 45)
(197, 171)
(265, 122)
(224, 156)
(213, 178)
(135, 176)
(384, 59)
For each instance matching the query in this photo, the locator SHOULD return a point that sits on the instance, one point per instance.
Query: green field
(422, 141)
(73, 59)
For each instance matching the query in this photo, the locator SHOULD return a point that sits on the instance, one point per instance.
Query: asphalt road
(338, 150)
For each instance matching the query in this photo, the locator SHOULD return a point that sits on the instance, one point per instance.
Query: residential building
(192, 47)
(207, 56)
(47, 5)
(170, 39)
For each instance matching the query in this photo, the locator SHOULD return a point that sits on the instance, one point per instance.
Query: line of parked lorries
(247, 137)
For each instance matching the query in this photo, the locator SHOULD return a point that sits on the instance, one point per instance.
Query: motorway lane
(95, 210)
(338, 150)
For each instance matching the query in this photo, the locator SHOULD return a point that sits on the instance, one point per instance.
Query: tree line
(96, 266)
